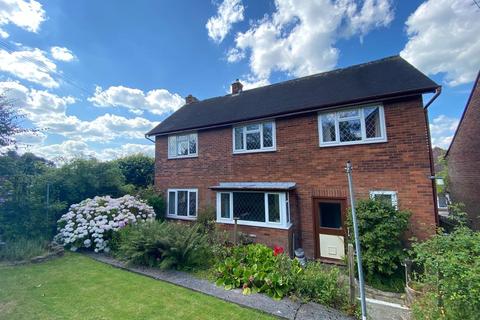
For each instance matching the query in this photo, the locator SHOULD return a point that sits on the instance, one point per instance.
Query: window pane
(328, 127)
(192, 205)
(268, 134)
(253, 127)
(182, 203)
(330, 215)
(171, 202)
(253, 141)
(273, 208)
(182, 145)
(225, 205)
(384, 198)
(238, 138)
(249, 206)
(349, 113)
(372, 122)
(193, 144)
(350, 130)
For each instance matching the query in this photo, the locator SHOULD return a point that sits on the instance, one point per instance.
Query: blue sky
(96, 75)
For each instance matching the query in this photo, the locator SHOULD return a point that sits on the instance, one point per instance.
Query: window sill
(254, 151)
(181, 217)
(257, 224)
(351, 143)
(183, 157)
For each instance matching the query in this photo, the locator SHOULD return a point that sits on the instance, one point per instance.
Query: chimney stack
(190, 99)
(237, 87)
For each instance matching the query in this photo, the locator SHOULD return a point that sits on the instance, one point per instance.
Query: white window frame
(393, 194)
(176, 216)
(174, 139)
(244, 133)
(361, 116)
(283, 224)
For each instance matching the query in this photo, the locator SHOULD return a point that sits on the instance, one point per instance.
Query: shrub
(321, 284)
(92, 222)
(206, 218)
(450, 266)
(381, 227)
(167, 245)
(22, 249)
(154, 199)
(255, 268)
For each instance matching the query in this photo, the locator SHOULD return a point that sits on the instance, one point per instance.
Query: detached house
(274, 156)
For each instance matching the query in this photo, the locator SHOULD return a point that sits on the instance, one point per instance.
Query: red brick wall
(401, 164)
(464, 159)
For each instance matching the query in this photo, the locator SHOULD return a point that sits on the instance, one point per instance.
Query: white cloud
(62, 54)
(299, 37)
(229, 12)
(442, 129)
(158, 101)
(444, 37)
(125, 150)
(30, 64)
(27, 15)
(250, 82)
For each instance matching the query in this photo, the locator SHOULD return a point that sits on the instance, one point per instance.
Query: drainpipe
(430, 153)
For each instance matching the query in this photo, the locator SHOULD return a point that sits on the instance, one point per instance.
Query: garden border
(53, 253)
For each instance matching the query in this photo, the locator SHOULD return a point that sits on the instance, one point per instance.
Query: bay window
(183, 146)
(182, 203)
(269, 209)
(254, 137)
(352, 126)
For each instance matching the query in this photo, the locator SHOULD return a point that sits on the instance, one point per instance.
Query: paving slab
(285, 308)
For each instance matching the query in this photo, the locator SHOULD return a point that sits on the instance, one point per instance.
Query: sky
(95, 76)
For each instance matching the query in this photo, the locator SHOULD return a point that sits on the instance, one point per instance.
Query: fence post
(351, 273)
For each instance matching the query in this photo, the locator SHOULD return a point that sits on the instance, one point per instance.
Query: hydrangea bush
(91, 223)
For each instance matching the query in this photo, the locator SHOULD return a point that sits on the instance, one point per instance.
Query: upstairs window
(254, 137)
(387, 197)
(183, 146)
(352, 126)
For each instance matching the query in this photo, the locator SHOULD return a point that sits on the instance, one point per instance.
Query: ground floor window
(388, 197)
(182, 203)
(254, 208)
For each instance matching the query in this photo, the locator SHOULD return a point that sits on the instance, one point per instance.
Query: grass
(393, 283)
(77, 287)
(22, 249)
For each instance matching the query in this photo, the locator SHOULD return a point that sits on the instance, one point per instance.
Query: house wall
(464, 158)
(401, 164)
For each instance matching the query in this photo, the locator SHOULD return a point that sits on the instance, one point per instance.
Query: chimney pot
(237, 87)
(190, 99)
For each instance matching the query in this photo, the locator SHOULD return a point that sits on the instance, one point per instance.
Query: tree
(9, 122)
(138, 169)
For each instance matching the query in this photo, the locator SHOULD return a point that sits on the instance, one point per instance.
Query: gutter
(438, 91)
(147, 137)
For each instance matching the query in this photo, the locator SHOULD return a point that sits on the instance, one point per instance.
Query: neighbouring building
(274, 156)
(463, 158)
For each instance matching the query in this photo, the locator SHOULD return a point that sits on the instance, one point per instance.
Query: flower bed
(92, 222)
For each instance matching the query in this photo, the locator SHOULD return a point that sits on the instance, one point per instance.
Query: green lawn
(77, 287)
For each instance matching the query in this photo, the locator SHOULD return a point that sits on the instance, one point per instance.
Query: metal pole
(348, 169)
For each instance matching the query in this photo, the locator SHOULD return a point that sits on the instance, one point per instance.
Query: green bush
(450, 276)
(167, 245)
(321, 284)
(255, 268)
(381, 227)
(153, 199)
(22, 249)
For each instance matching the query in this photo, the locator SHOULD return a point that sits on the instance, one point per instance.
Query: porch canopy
(260, 186)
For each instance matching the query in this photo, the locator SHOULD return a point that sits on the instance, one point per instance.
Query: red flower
(277, 250)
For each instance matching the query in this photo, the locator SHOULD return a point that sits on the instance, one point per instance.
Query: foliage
(457, 215)
(255, 268)
(138, 169)
(76, 287)
(22, 249)
(450, 265)
(9, 122)
(321, 284)
(167, 245)
(92, 222)
(381, 227)
(206, 218)
(442, 164)
(154, 199)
